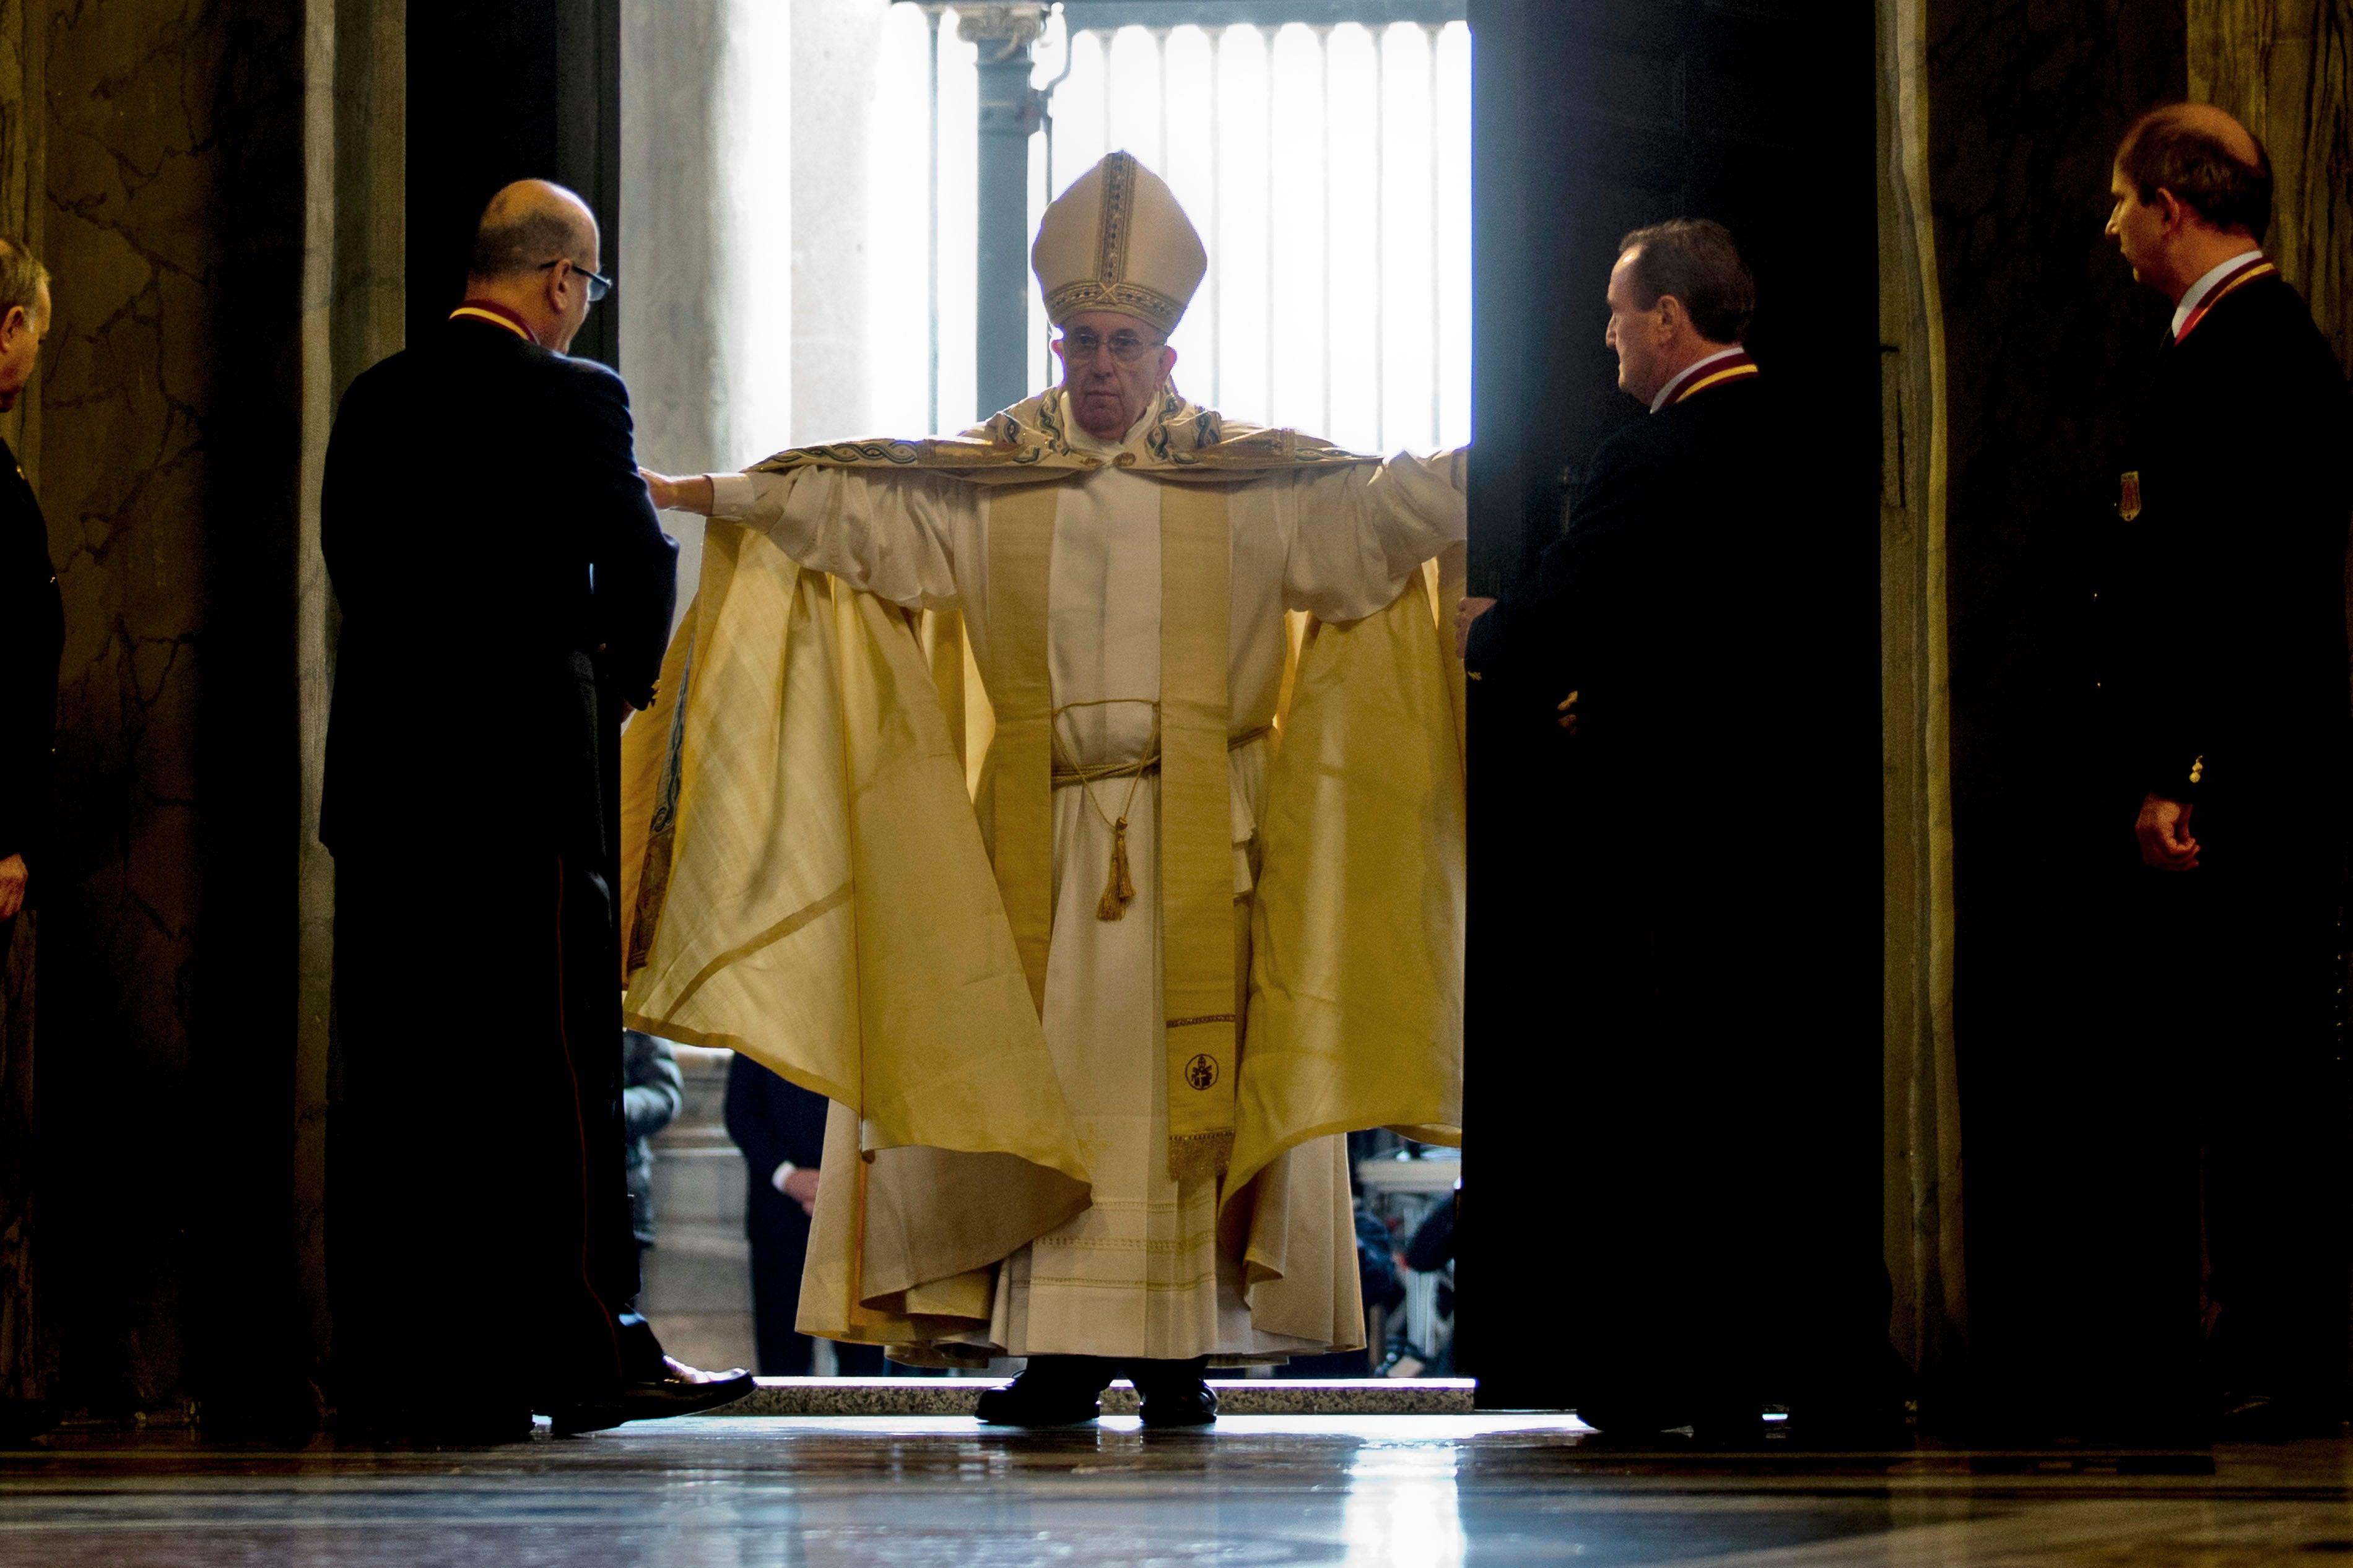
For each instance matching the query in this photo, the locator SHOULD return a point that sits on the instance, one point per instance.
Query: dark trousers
(777, 1260)
(2268, 1076)
(479, 1213)
(1723, 1230)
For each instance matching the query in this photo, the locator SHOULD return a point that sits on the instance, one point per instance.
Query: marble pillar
(1921, 1196)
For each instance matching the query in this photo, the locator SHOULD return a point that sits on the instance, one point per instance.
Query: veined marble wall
(177, 169)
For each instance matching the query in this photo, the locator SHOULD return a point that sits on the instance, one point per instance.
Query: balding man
(506, 593)
(2222, 616)
(32, 617)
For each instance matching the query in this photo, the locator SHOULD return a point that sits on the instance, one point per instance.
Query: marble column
(1922, 1198)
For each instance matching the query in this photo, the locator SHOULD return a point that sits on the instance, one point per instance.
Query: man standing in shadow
(506, 593)
(2221, 620)
(32, 616)
(1724, 1230)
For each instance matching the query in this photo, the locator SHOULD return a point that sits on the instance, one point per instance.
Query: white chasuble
(1145, 1269)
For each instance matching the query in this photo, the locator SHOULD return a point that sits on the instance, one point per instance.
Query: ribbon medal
(2129, 497)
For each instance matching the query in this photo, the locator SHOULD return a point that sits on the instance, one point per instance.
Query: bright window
(1328, 170)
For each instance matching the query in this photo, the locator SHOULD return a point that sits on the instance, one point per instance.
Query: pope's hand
(1468, 611)
(692, 493)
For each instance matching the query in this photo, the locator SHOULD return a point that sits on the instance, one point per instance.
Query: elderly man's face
(1113, 367)
(21, 333)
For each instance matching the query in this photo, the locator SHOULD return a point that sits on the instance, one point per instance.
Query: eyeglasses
(598, 284)
(1082, 346)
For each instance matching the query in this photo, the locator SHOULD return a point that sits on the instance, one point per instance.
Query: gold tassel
(1120, 891)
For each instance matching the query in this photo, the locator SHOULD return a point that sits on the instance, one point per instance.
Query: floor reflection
(1429, 1491)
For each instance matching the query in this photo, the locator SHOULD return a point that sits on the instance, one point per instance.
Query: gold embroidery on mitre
(1135, 253)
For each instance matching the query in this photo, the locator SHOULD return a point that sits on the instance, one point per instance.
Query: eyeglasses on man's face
(1081, 347)
(598, 284)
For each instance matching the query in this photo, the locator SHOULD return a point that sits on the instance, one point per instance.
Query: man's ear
(2170, 211)
(1671, 314)
(15, 322)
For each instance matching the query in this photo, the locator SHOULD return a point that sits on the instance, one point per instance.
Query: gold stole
(1197, 877)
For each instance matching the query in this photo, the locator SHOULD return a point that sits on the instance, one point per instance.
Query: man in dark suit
(506, 593)
(2221, 617)
(32, 616)
(1664, 651)
(780, 1128)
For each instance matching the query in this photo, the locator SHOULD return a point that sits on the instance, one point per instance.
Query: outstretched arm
(1361, 531)
(893, 534)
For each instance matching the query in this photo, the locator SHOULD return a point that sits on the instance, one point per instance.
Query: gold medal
(2128, 498)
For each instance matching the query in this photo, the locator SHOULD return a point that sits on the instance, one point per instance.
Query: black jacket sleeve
(635, 563)
(1593, 585)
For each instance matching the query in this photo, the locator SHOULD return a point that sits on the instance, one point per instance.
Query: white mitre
(1116, 240)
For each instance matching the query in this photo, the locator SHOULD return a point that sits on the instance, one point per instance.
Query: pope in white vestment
(1147, 1271)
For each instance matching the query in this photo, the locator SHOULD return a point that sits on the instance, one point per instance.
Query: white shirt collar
(2205, 285)
(1667, 392)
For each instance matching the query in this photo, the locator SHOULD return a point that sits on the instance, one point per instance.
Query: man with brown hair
(1666, 637)
(32, 617)
(2221, 626)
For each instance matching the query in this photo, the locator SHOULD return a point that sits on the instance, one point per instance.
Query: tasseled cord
(1119, 890)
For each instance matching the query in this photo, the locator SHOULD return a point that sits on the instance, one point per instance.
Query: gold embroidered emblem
(2129, 497)
(1201, 1071)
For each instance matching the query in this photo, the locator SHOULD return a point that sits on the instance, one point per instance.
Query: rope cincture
(1119, 885)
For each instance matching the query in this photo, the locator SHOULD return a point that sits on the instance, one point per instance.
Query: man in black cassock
(2221, 618)
(32, 616)
(1722, 1227)
(506, 593)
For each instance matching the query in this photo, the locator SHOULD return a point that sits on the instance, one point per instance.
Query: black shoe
(1174, 1392)
(684, 1390)
(1177, 1405)
(1055, 1391)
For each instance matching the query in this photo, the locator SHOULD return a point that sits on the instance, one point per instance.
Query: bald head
(528, 225)
(2212, 164)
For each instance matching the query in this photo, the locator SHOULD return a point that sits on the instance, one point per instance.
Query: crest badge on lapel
(2128, 496)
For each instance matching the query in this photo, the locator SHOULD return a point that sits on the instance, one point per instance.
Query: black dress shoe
(684, 1391)
(1177, 1405)
(1054, 1390)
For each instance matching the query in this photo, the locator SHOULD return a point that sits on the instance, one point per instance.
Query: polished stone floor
(1418, 1491)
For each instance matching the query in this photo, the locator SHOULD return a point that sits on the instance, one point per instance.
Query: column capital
(1012, 24)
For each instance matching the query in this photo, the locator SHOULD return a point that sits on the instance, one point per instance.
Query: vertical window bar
(931, 419)
(1437, 271)
(1217, 216)
(1273, 184)
(1380, 239)
(1330, 324)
